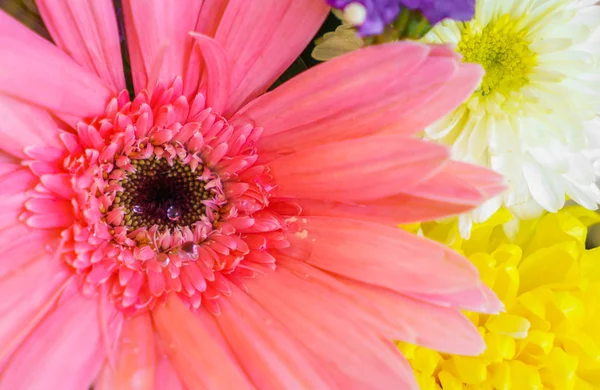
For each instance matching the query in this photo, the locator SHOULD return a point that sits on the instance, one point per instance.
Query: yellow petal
(508, 324)
(590, 265)
(500, 347)
(559, 370)
(500, 376)
(584, 347)
(536, 347)
(587, 217)
(506, 285)
(524, 377)
(449, 381)
(508, 253)
(568, 312)
(486, 265)
(548, 265)
(426, 382)
(426, 360)
(470, 370)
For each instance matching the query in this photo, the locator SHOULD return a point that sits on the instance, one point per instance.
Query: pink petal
(7, 159)
(50, 221)
(19, 245)
(35, 71)
(12, 193)
(50, 213)
(166, 377)
(393, 210)
(64, 351)
(158, 39)
(267, 351)
(445, 99)
(210, 16)
(395, 316)
(88, 32)
(440, 328)
(388, 82)
(356, 170)
(35, 127)
(478, 298)
(458, 188)
(353, 357)
(135, 357)
(387, 256)
(29, 292)
(217, 72)
(196, 348)
(488, 182)
(265, 37)
(59, 184)
(9, 167)
(48, 206)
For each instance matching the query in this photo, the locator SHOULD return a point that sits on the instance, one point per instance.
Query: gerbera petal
(88, 32)
(217, 71)
(12, 193)
(10, 165)
(278, 30)
(380, 85)
(479, 298)
(358, 169)
(387, 256)
(51, 220)
(23, 125)
(441, 328)
(210, 16)
(35, 71)
(267, 351)
(341, 343)
(19, 245)
(443, 100)
(158, 39)
(134, 364)
(64, 351)
(166, 377)
(393, 210)
(457, 188)
(197, 349)
(457, 183)
(29, 290)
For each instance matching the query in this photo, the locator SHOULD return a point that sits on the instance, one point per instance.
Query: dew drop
(189, 251)
(138, 209)
(173, 213)
(163, 260)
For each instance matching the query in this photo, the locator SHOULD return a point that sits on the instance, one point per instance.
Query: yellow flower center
(503, 51)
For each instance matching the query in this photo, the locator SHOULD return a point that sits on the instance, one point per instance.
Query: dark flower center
(162, 194)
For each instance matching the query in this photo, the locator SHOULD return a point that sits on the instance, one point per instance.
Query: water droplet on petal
(173, 213)
(163, 259)
(138, 209)
(189, 251)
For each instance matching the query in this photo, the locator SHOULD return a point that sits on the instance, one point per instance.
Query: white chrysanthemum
(532, 119)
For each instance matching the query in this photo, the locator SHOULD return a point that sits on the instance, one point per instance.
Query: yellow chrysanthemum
(549, 335)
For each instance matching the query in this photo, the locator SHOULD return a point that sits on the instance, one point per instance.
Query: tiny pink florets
(105, 244)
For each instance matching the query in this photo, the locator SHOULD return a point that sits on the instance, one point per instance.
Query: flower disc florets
(166, 197)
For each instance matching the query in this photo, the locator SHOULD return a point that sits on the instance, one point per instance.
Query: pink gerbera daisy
(202, 234)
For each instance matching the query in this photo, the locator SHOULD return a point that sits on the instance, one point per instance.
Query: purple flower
(383, 12)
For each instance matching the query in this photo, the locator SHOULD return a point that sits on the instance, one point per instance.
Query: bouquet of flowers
(299, 194)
